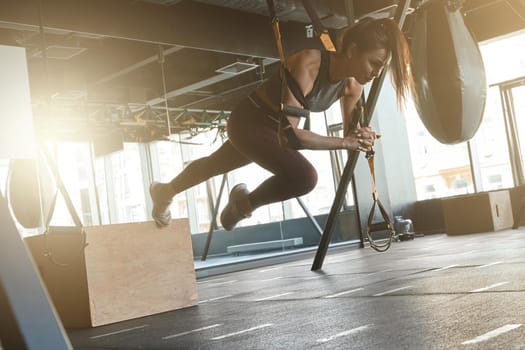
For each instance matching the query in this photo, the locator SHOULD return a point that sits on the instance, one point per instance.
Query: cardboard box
(480, 212)
(125, 271)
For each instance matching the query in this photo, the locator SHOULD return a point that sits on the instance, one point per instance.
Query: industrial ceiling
(96, 65)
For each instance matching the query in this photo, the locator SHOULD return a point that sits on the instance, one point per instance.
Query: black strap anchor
(318, 27)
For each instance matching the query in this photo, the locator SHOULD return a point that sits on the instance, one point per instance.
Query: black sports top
(323, 93)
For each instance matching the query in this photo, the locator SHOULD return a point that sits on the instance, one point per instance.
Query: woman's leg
(221, 161)
(293, 175)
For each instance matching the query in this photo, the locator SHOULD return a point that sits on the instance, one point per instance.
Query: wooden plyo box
(125, 271)
(480, 212)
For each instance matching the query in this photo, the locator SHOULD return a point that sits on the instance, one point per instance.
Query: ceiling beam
(187, 24)
(492, 18)
(135, 66)
(200, 84)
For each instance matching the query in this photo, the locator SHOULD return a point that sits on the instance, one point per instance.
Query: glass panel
(102, 190)
(202, 145)
(491, 146)
(4, 167)
(168, 155)
(518, 95)
(74, 164)
(128, 189)
(503, 58)
(334, 119)
(319, 201)
(253, 175)
(439, 170)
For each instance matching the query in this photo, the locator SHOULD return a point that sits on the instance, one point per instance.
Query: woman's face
(365, 65)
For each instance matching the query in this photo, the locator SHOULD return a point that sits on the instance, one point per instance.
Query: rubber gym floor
(434, 292)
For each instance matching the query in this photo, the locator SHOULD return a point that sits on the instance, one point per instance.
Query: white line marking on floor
(468, 252)
(491, 264)
(300, 264)
(192, 331)
(391, 291)
(271, 269)
(446, 267)
(337, 260)
(373, 273)
(222, 283)
(343, 293)
(243, 331)
(274, 296)
(488, 287)
(419, 256)
(118, 332)
(214, 299)
(345, 333)
(271, 279)
(492, 334)
(309, 278)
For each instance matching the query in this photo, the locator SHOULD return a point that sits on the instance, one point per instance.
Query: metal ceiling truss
(115, 41)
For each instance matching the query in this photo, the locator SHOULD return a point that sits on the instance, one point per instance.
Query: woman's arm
(353, 92)
(359, 139)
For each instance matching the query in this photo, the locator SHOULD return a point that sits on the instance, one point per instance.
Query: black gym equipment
(448, 73)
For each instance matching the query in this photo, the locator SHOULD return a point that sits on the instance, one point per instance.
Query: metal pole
(348, 172)
(312, 219)
(213, 223)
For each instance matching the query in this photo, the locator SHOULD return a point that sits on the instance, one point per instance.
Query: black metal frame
(509, 114)
(399, 17)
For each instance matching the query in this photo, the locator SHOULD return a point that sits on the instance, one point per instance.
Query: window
(490, 147)
(518, 94)
(439, 170)
(74, 164)
(167, 163)
(320, 200)
(4, 165)
(125, 193)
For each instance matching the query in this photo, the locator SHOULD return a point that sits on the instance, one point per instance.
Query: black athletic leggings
(253, 138)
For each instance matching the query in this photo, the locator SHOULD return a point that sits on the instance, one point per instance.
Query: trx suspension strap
(287, 81)
(386, 224)
(381, 244)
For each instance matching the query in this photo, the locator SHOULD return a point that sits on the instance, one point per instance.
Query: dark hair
(384, 33)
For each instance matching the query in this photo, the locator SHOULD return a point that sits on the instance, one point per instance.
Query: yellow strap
(327, 41)
(277, 34)
(371, 166)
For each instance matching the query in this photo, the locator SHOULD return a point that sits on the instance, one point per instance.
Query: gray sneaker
(230, 215)
(161, 207)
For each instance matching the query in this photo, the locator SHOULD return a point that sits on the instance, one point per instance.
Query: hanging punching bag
(30, 191)
(448, 72)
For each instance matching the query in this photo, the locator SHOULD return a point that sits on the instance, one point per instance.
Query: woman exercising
(259, 133)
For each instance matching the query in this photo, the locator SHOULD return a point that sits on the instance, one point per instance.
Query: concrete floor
(435, 292)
